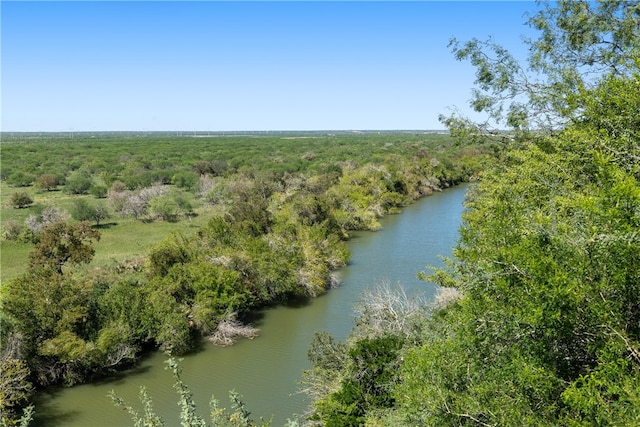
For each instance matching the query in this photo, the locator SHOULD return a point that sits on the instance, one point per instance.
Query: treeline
(87, 161)
(275, 236)
(538, 320)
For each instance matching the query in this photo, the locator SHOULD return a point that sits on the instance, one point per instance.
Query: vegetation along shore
(538, 319)
(113, 245)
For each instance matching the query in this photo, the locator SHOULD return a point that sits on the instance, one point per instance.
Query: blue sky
(152, 66)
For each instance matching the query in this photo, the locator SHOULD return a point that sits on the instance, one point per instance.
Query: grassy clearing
(13, 258)
(121, 238)
(126, 238)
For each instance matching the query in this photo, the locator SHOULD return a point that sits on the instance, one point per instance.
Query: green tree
(213, 167)
(78, 183)
(100, 213)
(172, 250)
(20, 179)
(98, 191)
(367, 386)
(82, 210)
(11, 230)
(47, 181)
(47, 310)
(85, 211)
(185, 179)
(62, 242)
(546, 332)
(164, 207)
(15, 388)
(579, 41)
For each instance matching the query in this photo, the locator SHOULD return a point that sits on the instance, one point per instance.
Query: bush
(11, 230)
(20, 200)
(20, 179)
(98, 191)
(185, 179)
(15, 389)
(164, 207)
(83, 211)
(47, 181)
(78, 183)
(367, 384)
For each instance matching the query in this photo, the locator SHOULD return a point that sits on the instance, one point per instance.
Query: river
(267, 369)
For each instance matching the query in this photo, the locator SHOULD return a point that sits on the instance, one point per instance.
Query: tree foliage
(61, 242)
(78, 182)
(551, 303)
(15, 388)
(20, 199)
(47, 181)
(545, 325)
(84, 211)
(579, 42)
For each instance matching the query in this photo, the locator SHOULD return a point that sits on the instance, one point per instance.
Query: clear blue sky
(107, 66)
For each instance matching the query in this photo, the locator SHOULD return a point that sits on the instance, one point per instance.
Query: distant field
(175, 162)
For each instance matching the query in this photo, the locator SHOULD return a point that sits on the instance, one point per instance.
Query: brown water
(267, 369)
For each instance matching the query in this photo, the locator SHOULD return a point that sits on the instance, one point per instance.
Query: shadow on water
(47, 414)
(119, 377)
(299, 302)
(256, 318)
(53, 417)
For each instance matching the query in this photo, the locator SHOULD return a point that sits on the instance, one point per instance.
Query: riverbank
(266, 370)
(272, 237)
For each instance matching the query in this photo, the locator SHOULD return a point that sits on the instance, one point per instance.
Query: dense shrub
(11, 230)
(20, 200)
(77, 183)
(99, 191)
(185, 179)
(20, 179)
(47, 181)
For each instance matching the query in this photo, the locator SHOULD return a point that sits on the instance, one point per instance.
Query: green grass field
(121, 238)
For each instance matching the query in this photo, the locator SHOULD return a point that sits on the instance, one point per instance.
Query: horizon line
(192, 132)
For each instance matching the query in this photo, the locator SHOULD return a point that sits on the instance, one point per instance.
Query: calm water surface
(267, 369)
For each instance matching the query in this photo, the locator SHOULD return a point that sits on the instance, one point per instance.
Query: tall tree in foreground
(579, 42)
(548, 329)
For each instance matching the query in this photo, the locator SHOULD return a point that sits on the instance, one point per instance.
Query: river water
(266, 370)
